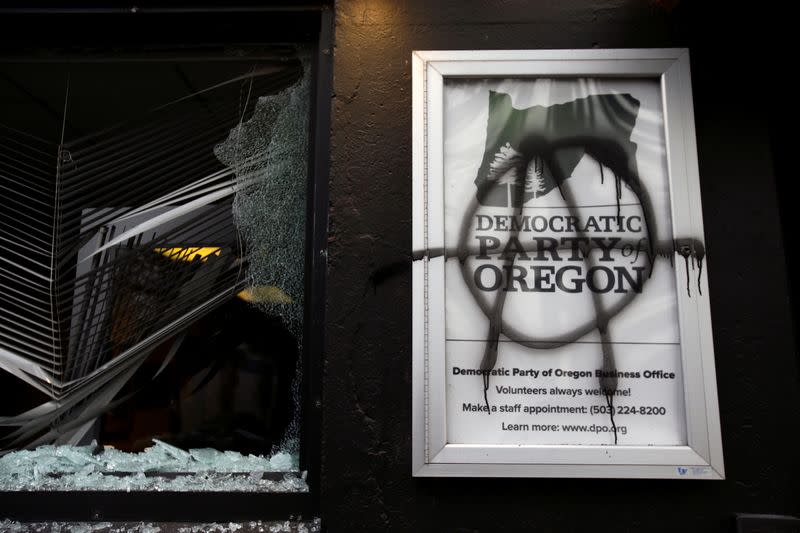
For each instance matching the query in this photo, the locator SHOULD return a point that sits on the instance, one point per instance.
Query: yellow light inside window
(189, 253)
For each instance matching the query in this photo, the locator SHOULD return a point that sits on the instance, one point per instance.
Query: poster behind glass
(561, 308)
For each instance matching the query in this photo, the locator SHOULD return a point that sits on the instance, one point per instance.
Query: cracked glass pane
(256, 526)
(152, 272)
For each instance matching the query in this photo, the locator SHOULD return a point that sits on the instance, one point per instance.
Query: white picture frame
(700, 456)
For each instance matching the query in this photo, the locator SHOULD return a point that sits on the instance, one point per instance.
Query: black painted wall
(741, 104)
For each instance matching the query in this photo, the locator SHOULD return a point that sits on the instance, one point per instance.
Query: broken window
(153, 270)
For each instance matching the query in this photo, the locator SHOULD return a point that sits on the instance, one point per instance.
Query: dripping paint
(559, 268)
(563, 271)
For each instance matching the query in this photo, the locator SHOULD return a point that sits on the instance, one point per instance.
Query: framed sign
(561, 322)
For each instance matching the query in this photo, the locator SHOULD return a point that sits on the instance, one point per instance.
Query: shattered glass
(270, 151)
(257, 526)
(96, 468)
(166, 243)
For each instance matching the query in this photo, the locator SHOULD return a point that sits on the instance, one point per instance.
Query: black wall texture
(745, 120)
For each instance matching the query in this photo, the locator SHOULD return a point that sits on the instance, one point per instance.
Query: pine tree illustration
(504, 169)
(534, 176)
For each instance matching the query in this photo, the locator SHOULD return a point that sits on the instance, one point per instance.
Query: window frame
(312, 24)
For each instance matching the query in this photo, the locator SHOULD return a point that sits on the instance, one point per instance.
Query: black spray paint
(553, 140)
